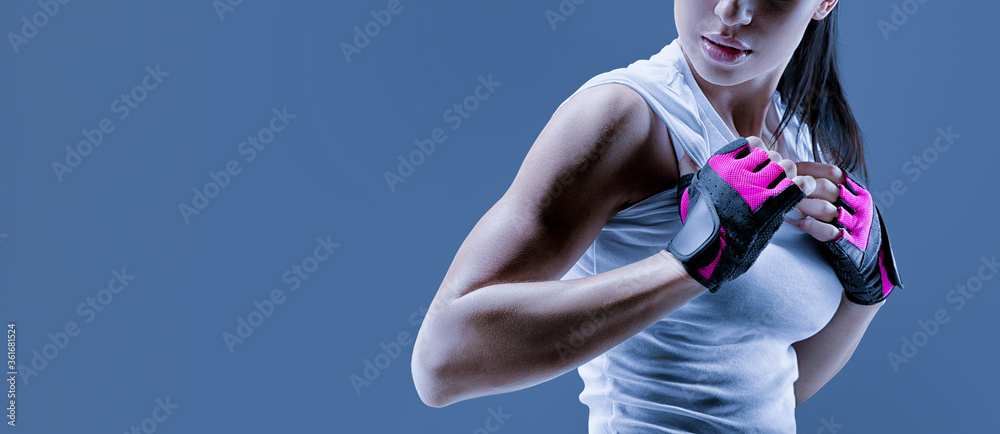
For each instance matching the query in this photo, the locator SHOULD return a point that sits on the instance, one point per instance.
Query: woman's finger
(819, 170)
(826, 190)
(818, 209)
(806, 183)
(789, 167)
(821, 231)
(756, 142)
(775, 156)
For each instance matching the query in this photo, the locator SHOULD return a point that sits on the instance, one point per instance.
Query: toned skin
(501, 315)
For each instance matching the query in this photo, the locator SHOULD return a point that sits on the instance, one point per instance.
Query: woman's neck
(743, 107)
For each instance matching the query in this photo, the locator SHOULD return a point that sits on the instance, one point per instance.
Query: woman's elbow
(434, 372)
(428, 391)
(426, 378)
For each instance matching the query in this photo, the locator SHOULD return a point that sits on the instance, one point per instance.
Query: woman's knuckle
(832, 172)
(830, 188)
(832, 233)
(829, 209)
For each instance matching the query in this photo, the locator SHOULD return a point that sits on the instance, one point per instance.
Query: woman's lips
(722, 53)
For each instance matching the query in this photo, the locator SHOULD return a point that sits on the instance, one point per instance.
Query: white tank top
(722, 362)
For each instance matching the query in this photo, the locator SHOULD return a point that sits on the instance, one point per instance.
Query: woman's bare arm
(824, 354)
(500, 320)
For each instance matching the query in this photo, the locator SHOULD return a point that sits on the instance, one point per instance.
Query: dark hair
(810, 86)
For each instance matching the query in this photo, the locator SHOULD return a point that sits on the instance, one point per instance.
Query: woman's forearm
(507, 337)
(823, 355)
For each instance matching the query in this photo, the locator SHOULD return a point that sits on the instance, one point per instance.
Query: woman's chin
(712, 72)
(719, 76)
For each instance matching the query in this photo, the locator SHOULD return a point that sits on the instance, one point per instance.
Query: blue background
(323, 176)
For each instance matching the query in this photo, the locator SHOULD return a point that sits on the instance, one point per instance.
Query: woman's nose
(733, 12)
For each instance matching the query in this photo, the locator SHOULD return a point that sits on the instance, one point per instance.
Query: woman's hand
(820, 203)
(845, 219)
(804, 181)
(731, 208)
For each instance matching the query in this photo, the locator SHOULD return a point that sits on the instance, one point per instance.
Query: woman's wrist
(846, 303)
(677, 269)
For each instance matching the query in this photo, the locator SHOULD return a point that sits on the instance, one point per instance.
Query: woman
(579, 264)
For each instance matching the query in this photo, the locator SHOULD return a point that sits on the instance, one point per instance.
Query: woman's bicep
(573, 180)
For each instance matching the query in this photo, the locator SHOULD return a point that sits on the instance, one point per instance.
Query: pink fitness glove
(861, 255)
(730, 208)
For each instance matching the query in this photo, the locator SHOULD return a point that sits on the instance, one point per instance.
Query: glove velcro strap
(888, 261)
(716, 209)
(700, 228)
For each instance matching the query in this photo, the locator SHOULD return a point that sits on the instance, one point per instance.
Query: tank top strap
(667, 83)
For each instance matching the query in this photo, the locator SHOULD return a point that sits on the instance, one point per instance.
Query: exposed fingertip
(801, 224)
(806, 183)
(756, 142)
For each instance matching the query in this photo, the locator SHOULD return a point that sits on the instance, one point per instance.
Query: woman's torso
(724, 361)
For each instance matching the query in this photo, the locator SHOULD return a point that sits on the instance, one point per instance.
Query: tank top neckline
(684, 69)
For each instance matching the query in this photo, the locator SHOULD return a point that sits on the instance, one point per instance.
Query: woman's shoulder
(649, 156)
